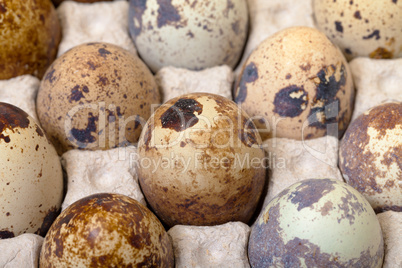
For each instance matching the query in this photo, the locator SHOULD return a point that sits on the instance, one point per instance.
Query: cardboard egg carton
(114, 171)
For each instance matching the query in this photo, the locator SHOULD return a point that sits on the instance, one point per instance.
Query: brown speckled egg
(201, 161)
(317, 223)
(29, 37)
(96, 96)
(370, 156)
(362, 28)
(189, 34)
(31, 178)
(107, 230)
(297, 85)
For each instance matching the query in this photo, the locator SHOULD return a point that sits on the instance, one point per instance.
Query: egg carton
(90, 172)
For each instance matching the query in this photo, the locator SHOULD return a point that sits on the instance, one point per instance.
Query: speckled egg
(297, 85)
(189, 34)
(107, 230)
(29, 37)
(370, 156)
(96, 96)
(201, 162)
(317, 223)
(31, 178)
(362, 28)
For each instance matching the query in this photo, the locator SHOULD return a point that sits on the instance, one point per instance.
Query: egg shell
(29, 36)
(189, 34)
(31, 178)
(104, 92)
(317, 223)
(297, 85)
(370, 156)
(201, 161)
(107, 230)
(362, 28)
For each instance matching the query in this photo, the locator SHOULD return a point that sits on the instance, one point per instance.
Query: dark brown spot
(76, 94)
(348, 51)
(50, 76)
(11, 117)
(167, 13)
(338, 26)
(50, 217)
(104, 52)
(182, 144)
(37, 147)
(288, 76)
(248, 133)
(102, 81)
(321, 113)
(4, 234)
(394, 1)
(375, 33)
(84, 136)
(148, 136)
(309, 192)
(180, 115)
(357, 15)
(305, 67)
(39, 131)
(290, 101)
(249, 75)
(190, 34)
(92, 65)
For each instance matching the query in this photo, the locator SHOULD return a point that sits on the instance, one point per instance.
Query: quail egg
(189, 34)
(201, 161)
(370, 156)
(317, 223)
(297, 85)
(96, 96)
(107, 230)
(362, 28)
(29, 37)
(31, 178)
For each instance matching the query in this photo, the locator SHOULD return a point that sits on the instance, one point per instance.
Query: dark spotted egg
(189, 34)
(298, 85)
(96, 96)
(317, 223)
(201, 161)
(31, 178)
(107, 230)
(362, 28)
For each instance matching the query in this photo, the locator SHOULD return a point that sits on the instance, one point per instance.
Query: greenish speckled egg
(317, 223)
(189, 34)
